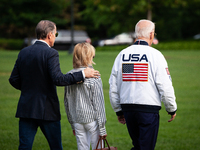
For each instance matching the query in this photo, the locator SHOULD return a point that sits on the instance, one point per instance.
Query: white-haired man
(139, 81)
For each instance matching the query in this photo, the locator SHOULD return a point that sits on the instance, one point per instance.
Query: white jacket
(140, 77)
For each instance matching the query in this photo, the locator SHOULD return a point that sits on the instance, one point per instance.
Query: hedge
(11, 44)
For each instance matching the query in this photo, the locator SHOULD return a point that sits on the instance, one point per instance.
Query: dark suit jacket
(36, 73)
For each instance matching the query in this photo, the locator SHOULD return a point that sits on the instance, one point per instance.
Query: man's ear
(49, 35)
(151, 35)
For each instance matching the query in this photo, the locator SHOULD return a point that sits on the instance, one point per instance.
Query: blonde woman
(84, 102)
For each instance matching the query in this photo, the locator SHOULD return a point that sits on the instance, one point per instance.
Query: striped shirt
(84, 103)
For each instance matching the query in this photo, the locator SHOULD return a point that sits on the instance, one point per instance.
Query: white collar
(44, 42)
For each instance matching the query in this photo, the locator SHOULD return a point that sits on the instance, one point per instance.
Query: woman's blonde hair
(83, 55)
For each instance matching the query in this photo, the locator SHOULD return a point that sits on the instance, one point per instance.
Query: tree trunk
(149, 11)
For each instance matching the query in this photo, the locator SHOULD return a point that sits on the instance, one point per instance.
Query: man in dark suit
(36, 74)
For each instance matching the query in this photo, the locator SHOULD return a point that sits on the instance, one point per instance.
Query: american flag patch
(135, 72)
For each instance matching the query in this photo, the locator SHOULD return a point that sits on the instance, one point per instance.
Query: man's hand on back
(91, 73)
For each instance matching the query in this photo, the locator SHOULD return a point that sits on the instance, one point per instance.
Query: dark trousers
(143, 129)
(28, 129)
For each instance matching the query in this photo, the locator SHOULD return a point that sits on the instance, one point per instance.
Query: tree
(19, 17)
(115, 15)
(175, 19)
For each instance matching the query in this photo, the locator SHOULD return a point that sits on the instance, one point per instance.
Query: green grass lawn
(181, 134)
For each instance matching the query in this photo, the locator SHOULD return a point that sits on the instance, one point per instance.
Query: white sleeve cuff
(102, 131)
(83, 74)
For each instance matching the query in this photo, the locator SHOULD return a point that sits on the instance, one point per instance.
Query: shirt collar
(140, 42)
(44, 42)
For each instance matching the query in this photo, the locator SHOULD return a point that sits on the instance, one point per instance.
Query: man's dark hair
(43, 28)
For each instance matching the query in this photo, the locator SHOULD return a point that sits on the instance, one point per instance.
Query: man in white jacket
(139, 81)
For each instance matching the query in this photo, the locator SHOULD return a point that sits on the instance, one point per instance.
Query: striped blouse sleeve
(67, 107)
(99, 106)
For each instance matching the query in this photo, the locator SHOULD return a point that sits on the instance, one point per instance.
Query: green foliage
(182, 133)
(170, 45)
(11, 44)
(175, 19)
(20, 17)
(178, 45)
(115, 15)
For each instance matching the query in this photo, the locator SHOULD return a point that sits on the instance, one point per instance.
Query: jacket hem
(141, 108)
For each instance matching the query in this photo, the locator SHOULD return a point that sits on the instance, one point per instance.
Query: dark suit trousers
(143, 129)
(28, 129)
